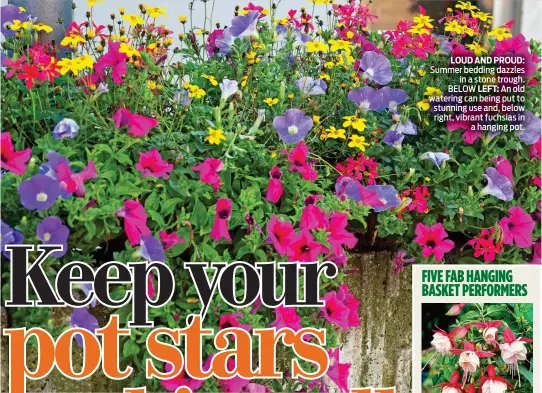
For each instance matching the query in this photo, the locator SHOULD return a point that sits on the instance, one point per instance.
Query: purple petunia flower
(497, 185)
(407, 128)
(436, 158)
(387, 195)
(391, 98)
(241, 26)
(228, 88)
(531, 129)
(294, 126)
(346, 187)
(310, 86)
(366, 98)
(86, 288)
(53, 161)
(66, 128)
(394, 139)
(8, 235)
(81, 318)
(376, 67)
(52, 231)
(152, 249)
(8, 14)
(182, 97)
(39, 192)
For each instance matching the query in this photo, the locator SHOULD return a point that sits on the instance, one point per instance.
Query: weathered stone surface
(380, 349)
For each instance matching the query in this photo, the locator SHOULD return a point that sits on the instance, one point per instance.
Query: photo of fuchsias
(280, 137)
(488, 349)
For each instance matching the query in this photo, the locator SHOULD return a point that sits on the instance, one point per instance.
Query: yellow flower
(483, 16)
(183, 18)
(155, 12)
(500, 33)
(449, 9)
(22, 9)
(66, 65)
(316, 46)
(91, 33)
(271, 101)
(421, 72)
(423, 105)
(358, 141)
(42, 27)
(85, 61)
(337, 45)
(133, 19)
(316, 119)
(453, 26)
(335, 133)
(18, 25)
(427, 179)
(128, 50)
(291, 96)
(466, 6)
(215, 136)
(197, 93)
(325, 76)
(432, 92)
(467, 30)
(329, 64)
(356, 123)
(244, 80)
(476, 48)
(211, 79)
(92, 2)
(152, 85)
(321, 1)
(72, 40)
(423, 21)
(418, 30)
(258, 45)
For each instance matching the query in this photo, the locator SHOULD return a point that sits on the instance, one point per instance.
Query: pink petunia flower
(298, 158)
(169, 240)
(286, 317)
(335, 311)
(432, 239)
(305, 249)
(138, 125)
(348, 299)
(235, 384)
(151, 164)
(135, 221)
(222, 216)
(338, 372)
(313, 217)
(74, 182)
(115, 60)
(208, 172)
(504, 167)
(280, 234)
(517, 228)
(230, 320)
(274, 186)
(11, 160)
(338, 236)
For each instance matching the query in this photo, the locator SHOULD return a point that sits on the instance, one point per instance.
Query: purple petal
(498, 185)
(376, 67)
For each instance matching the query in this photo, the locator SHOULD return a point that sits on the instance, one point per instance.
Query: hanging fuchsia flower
(338, 372)
(280, 234)
(11, 160)
(135, 221)
(208, 172)
(490, 331)
(493, 383)
(138, 125)
(517, 228)
(455, 309)
(513, 350)
(298, 158)
(274, 186)
(335, 311)
(305, 248)
(444, 342)
(170, 239)
(313, 217)
(51, 231)
(151, 164)
(115, 60)
(230, 320)
(454, 386)
(433, 240)
(286, 317)
(469, 358)
(222, 216)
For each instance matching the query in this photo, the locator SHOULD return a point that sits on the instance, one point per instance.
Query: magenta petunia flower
(348, 299)
(432, 239)
(230, 320)
(234, 384)
(222, 216)
(169, 240)
(280, 234)
(274, 186)
(298, 158)
(40, 192)
(72, 182)
(135, 221)
(286, 317)
(151, 164)
(11, 160)
(115, 60)
(294, 126)
(346, 187)
(335, 311)
(313, 217)
(338, 236)
(208, 172)
(305, 249)
(51, 231)
(81, 318)
(376, 67)
(211, 45)
(138, 125)
(517, 228)
(338, 372)
(183, 379)
(504, 167)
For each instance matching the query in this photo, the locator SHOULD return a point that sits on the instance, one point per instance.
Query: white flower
(492, 386)
(513, 352)
(228, 88)
(441, 343)
(490, 335)
(449, 389)
(469, 361)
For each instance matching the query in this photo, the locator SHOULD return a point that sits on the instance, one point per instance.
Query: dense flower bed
(277, 138)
